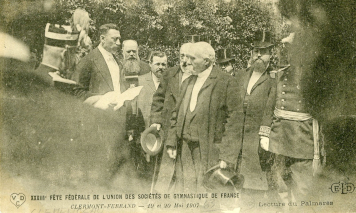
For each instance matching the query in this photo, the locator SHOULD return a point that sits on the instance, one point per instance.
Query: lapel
(246, 79)
(211, 80)
(263, 78)
(149, 82)
(204, 99)
(103, 68)
(174, 82)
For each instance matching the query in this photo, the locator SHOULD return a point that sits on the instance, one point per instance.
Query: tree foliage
(162, 24)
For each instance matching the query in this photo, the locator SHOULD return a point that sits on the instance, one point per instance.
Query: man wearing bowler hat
(257, 90)
(225, 60)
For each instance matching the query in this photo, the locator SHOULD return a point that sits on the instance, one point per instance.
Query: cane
(154, 174)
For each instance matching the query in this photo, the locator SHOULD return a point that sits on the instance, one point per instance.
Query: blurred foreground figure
(55, 141)
(293, 135)
(320, 81)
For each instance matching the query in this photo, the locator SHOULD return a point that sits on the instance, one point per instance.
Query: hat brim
(216, 177)
(262, 44)
(151, 141)
(219, 61)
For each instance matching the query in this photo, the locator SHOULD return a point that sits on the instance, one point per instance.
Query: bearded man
(132, 65)
(257, 90)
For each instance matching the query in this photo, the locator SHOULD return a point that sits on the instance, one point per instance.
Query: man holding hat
(257, 90)
(150, 82)
(164, 101)
(203, 124)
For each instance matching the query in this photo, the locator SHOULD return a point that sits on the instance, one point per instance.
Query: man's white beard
(259, 66)
(187, 69)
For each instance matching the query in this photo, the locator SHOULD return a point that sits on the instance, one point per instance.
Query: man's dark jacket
(217, 113)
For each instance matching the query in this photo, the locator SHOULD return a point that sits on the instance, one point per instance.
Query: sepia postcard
(60, 155)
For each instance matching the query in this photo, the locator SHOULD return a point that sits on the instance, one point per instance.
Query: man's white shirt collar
(205, 74)
(155, 80)
(113, 67)
(198, 85)
(107, 55)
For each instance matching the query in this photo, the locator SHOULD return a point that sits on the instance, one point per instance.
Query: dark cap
(224, 55)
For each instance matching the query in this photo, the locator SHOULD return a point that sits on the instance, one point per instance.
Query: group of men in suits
(217, 118)
(208, 117)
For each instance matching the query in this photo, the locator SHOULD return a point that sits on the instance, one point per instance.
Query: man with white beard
(164, 101)
(168, 90)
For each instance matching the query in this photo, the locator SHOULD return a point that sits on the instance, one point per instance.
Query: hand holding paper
(109, 98)
(113, 98)
(128, 95)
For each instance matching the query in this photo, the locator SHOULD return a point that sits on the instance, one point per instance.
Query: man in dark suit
(150, 82)
(167, 93)
(257, 90)
(99, 72)
(203, 131)
(164, 101)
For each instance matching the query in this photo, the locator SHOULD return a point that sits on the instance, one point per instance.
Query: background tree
(160, 24)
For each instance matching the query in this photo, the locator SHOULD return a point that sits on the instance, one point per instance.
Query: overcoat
(216, 111)
(253, 111)
(144, 99)
(164, 101)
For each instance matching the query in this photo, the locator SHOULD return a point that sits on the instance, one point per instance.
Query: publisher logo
(343, 188)
(17, 199)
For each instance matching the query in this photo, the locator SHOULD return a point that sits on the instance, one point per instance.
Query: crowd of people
(250, 126)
